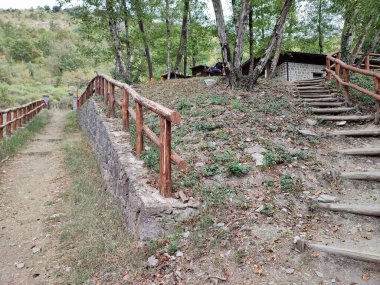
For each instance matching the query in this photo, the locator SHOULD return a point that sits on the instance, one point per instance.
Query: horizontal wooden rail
(104, 86)
(13, 118)
(336, 68)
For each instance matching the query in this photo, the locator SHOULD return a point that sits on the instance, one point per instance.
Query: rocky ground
(259, 162)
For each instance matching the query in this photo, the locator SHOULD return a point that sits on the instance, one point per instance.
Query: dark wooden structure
(173, 75)
(201, 71)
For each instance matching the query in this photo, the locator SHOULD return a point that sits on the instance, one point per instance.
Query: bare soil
(30, 185)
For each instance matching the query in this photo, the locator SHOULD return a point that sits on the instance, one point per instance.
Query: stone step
(331, 110)
(359, 209)
(357, 133)
(324, 104)
(316, 95)
(348, 252)
(313, 91)
(310, 80)
(359, 175)
(325, 99)
(371, 151)
(346, 118)
(313, 88)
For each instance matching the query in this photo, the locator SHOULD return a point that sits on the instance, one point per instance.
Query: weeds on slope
(11, 145)
(98, 249)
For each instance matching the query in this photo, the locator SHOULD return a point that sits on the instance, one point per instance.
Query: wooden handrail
(333, 68)
(18, 116)
(104, 86)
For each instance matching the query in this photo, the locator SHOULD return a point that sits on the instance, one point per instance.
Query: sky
(26, 4)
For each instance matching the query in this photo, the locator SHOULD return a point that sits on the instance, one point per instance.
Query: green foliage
(277, 156)
(267, 209)
(211, 170)
(24, 50)
(151, 158)
(217, 194)
(5, 99)
(288, 184)
(237, 169)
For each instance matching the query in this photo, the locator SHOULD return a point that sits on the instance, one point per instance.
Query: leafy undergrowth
(10, 145)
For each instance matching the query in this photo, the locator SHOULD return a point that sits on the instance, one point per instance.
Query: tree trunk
(115, 36)
(226, 52)
(348, 34)
(167, 37)
(183, 38)
(236, 72)
(276, 56)
(320, 34)
(127, 44)
(361, 40)
(185, 53)
(268, 50)
(145, 39)
(251, 42)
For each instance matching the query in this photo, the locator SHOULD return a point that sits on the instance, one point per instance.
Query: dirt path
(30, 184)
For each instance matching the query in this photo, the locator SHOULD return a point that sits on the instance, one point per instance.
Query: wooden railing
(13, 118)
(104, 86)
(336, 68)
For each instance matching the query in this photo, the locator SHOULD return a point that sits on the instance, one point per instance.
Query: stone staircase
(325, 104)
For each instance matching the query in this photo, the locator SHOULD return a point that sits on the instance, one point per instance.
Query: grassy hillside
(40, 54)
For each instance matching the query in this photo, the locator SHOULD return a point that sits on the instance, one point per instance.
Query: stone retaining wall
(147, 214)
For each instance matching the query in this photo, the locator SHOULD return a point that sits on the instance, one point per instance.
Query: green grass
(9, 146)
(93, 228)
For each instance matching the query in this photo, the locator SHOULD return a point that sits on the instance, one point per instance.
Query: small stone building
(294, 66)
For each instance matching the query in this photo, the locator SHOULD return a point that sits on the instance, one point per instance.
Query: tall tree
(183, 39)
(361, 40)
(110, 6)
(348, 32)
(236, 72)
(167, 21)
(251, 42)
(224, 44)
(276, 31)
(320, 33)
(140, 18)
(127, 42)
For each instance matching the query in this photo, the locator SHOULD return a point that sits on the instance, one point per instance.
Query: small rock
(54, 216)
(186, 234)
(272, 283)
(210, 82)
(299, 243)
(311, 122)
(179, 254)
(327, 198)
(19, 264)
(220, 225)
(319, 274)
(289, 270)
(36, 250)
(256, 148)
(259, 158)
(153, 261)
(183, 197)
(307, 132)
(341, 123)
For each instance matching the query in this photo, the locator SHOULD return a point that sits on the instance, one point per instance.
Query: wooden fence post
(139, 128)
(377, 91)
(346, 78)
(328, 66)
(165, 153)
(14, 118)
(337, 72)
(124, 110)
(19, 114)
(1, 128)
(8, 128)
(112, 101)
(367, 62)
(106, 93)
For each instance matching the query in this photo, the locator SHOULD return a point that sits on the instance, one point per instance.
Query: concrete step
(325, 99)
(316, 95)
(370, 151)
(357, 133)
(365, 175)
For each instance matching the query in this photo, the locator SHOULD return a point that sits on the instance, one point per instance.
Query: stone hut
(294, 66)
